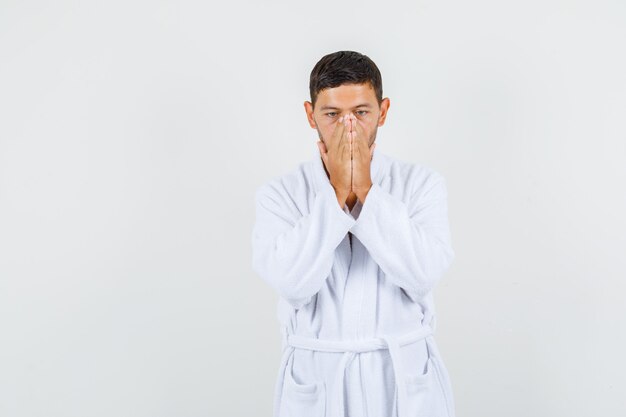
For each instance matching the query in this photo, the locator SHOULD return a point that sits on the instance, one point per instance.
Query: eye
(362, 111)
(331, 113)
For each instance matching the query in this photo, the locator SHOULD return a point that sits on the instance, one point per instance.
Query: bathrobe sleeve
(294, 253)
(409, 241)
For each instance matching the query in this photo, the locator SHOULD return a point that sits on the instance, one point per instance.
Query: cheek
(327, 130)
(327, 126)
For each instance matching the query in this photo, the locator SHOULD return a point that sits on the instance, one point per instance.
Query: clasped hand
(347, 156)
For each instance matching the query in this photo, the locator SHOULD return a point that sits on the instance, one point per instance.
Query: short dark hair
(344, 67)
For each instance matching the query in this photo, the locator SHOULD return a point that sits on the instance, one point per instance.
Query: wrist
(361, 192)
(342, 196)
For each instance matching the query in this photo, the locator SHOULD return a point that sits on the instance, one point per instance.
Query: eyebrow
(337, 108)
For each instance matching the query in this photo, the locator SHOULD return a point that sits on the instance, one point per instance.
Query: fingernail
(341, 119)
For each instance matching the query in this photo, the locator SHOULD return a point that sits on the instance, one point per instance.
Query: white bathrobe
(356, 304)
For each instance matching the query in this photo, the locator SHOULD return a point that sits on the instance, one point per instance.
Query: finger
(340, 129)
(346, 143)
(364, 137)
(322, 147)
(360, 138)
(353, 133)
(358, 127)
(345, 138)
(346, 152)
(334, 136)
(351, 119)
(348, 117)
(357, 147)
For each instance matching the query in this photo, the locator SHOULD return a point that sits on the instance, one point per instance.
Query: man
(354, 242)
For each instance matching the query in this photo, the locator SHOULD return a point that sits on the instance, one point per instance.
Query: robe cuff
(370, 212)
(327, 193)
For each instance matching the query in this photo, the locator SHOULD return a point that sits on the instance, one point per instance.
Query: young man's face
(359, 99)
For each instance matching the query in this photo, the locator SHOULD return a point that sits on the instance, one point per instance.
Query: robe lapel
(344, 252)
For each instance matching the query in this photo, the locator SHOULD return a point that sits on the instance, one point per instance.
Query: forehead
(346, 96)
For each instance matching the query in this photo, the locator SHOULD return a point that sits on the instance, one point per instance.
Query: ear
(308, 109)
(384, 107)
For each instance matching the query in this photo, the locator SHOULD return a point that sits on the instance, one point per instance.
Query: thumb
(322, 149)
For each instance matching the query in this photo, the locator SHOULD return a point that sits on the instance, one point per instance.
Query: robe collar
(321, 179)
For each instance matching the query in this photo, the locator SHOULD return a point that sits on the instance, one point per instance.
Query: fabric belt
(350, 349)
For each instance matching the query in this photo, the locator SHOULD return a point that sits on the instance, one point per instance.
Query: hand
(335, 153)
(361, 159)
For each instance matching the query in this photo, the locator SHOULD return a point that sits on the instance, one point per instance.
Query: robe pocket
(425, 397)
(302, 400)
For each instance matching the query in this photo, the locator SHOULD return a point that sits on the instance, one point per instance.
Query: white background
(133, 135)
